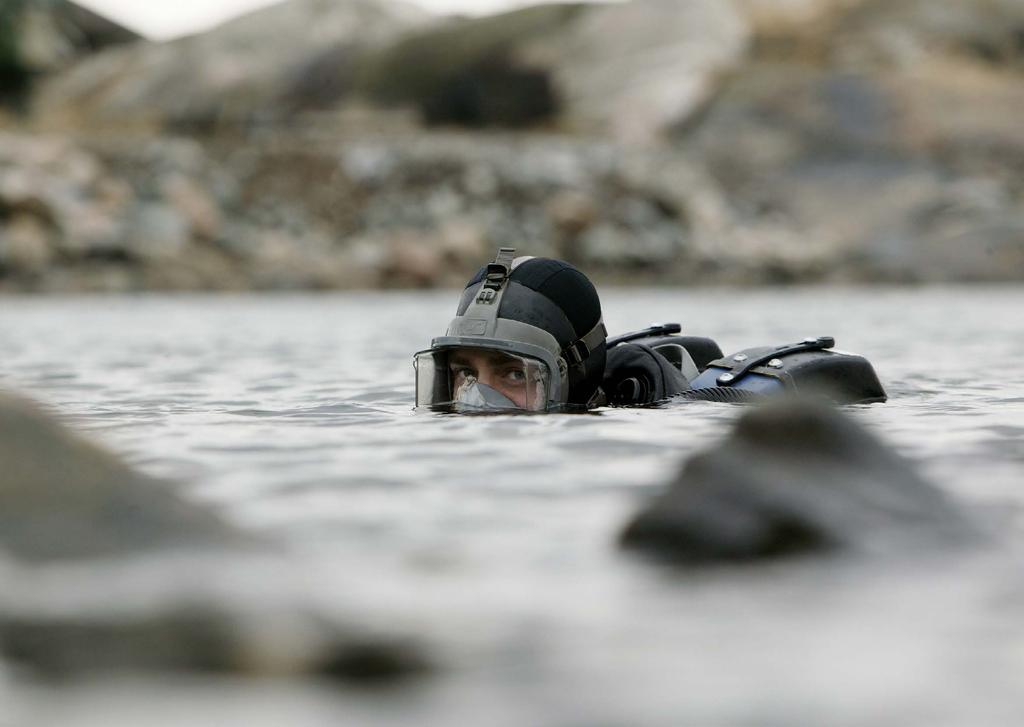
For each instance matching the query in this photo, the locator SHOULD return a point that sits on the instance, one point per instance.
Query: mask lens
(481, 378)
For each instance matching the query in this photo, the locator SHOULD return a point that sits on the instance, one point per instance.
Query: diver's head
(527, 335)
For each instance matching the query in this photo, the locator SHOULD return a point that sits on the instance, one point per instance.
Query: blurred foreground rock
(104, 569)
(61, 498)
(797, 478)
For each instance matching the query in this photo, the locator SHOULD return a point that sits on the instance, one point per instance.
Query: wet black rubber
(723, 394)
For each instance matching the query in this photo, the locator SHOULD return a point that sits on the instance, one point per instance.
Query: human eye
(515, 376)
(461, 371)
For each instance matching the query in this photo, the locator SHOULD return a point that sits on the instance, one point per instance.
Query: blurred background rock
(369, 143)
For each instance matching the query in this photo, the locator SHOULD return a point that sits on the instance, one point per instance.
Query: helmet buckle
(577, 353)
(487, 295)
(496, 275)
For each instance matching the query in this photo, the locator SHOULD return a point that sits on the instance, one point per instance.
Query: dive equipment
(528, 335)
(812, 364)
(543, 313)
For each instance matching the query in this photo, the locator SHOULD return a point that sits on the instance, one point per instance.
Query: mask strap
(577, 352)
(496, 275)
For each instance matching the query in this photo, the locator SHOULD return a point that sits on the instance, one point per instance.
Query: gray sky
(177, 17)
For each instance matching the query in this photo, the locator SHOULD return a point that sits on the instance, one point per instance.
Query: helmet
(527, 335)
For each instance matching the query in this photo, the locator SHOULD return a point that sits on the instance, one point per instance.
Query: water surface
(494, 537)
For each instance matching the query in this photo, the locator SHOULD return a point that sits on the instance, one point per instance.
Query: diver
(529, 336)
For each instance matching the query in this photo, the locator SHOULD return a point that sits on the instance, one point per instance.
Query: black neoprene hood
(556, 297)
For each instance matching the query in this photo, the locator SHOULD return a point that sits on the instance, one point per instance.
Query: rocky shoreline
(737, 143)
(423, 210)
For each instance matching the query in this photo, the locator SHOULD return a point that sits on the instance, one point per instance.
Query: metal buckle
(496, 273)
(573, 352)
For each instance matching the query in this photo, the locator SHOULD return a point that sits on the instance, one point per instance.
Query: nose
(486, 376)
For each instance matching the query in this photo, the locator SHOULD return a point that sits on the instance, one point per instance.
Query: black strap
(496, 275)
(808, 344)
(658, 329)
(579, 350)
